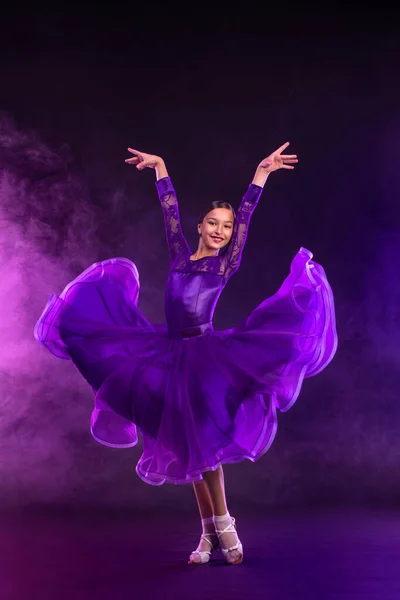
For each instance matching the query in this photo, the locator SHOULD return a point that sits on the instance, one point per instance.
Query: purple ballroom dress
(198, 397)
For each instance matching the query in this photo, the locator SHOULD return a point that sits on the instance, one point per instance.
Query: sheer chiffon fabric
(200, 401)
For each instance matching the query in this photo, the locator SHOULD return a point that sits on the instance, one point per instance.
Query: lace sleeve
(177, 244)
(242, 221)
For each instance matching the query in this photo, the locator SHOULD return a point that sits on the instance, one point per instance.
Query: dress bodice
(193, 287)
(190, 299)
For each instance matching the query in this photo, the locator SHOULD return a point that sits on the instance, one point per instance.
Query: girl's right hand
(143, 160)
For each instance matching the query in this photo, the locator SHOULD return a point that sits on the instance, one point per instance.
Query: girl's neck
(202, 251)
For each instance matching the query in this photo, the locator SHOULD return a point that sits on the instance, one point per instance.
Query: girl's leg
(203, 498)
(206, 511)
(216, 487)
(222, 519)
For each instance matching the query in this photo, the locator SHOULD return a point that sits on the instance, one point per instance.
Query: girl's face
(216, 228)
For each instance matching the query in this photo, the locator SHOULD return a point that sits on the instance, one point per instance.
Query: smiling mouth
(216, 239)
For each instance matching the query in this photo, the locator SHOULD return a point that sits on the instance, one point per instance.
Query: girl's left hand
(277, 160)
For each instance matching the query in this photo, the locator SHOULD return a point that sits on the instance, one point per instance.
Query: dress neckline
(202, 258)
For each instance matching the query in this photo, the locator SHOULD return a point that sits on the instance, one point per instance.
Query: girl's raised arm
(177, 243)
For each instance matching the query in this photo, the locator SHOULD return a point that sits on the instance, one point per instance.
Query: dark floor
(108, 556)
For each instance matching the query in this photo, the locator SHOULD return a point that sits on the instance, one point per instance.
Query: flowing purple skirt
(197, 402)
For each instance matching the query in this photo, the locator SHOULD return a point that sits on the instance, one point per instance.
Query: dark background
(212, 92)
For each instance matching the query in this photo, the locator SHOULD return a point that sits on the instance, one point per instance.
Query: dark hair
(216, 204)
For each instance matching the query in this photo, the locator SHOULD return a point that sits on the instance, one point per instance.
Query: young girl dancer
(199, 397)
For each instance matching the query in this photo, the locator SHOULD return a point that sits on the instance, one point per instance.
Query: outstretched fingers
(288, 160)
(282, 148)
(287, 163)
(133, 151)
(134, 160)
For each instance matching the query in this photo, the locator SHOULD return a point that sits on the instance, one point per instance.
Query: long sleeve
(239, 235)
(177, 244)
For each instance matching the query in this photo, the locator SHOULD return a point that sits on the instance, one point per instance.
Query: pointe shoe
(231, 528)
(205, 555)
